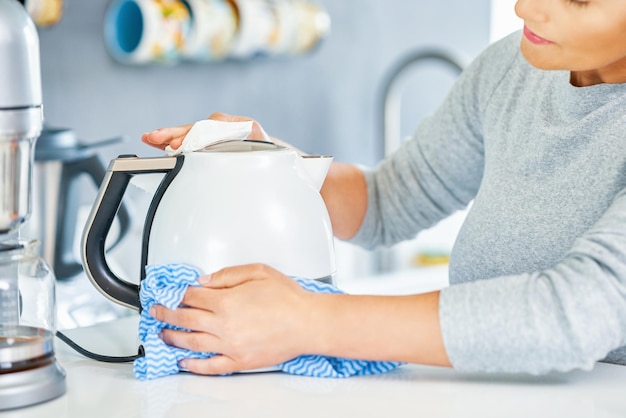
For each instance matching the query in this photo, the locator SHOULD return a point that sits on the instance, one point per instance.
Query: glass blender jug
(29, 373)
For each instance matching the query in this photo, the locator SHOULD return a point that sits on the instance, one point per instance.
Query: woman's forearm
(345, 194)
(398, 328)
(393, 328)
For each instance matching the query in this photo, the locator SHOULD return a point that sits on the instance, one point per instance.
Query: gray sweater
(538, 271)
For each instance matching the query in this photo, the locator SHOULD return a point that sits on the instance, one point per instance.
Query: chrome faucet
(390, 111)
(390, 102)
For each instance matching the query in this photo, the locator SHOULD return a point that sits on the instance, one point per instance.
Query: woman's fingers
(251, 314)
(203, 298)
(175, 135)
(188, 318)
(257, 131)
(235, 276)
(195, 341)
(225, 117)
(216, 365)
(211, 296)
(166, 136)
(201, 342)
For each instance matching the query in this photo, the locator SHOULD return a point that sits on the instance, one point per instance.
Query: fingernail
(152, 312)
(203, 280)
(182, 364)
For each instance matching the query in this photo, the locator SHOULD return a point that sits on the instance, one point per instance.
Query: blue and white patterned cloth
(166, 285)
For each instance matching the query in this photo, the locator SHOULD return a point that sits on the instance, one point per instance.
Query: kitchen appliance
(29, 373)
(233, 202)
(61, 162)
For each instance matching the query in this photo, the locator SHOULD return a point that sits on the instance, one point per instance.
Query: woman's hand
(253, 315)
(174, 136)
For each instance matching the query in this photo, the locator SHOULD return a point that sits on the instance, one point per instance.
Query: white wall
(503, 19)
(322, 102)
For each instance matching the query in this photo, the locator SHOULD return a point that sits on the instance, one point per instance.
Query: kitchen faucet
(391, 96)
(390, 111)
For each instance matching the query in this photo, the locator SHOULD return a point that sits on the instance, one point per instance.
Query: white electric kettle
(233, 202)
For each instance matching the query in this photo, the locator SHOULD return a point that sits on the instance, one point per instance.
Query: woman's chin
(539, 59)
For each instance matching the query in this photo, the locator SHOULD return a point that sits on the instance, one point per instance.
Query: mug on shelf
(213, 27)
(146, 31)
(299, 25)
(278, 27)
(312, 23)
(255, 23)
(44, 12)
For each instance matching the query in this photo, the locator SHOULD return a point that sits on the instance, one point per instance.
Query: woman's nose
(532, 10)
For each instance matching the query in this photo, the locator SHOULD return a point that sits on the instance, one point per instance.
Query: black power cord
(106, 359)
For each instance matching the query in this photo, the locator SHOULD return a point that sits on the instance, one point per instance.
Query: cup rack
(173, 31)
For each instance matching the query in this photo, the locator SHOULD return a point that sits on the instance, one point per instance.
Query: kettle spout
(314, 168)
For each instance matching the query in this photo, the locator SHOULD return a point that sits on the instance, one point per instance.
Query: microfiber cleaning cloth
(166, 285)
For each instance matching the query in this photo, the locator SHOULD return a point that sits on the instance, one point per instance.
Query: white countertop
(110, 390)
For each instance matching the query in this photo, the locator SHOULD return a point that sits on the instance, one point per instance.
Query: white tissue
(201, 134)
(208, 131)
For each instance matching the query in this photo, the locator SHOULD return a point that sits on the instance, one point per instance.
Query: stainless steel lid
(241, 145)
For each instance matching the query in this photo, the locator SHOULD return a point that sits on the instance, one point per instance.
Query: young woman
(534, 132)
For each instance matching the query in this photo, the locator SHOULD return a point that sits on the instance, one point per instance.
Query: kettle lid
(239, 145)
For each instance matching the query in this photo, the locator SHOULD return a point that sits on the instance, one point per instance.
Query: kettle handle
(118, 176)
(65, 265)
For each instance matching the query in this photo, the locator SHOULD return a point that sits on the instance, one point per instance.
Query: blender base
(30, 387)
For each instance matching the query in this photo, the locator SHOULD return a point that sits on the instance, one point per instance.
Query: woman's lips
(534, 38)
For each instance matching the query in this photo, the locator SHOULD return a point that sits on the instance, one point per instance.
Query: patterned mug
(277, 27)
(256, 22)
(146, 31)
(212, 30)
(299, 25)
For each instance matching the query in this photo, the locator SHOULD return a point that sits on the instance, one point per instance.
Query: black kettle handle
(65, 265)
(116, 180)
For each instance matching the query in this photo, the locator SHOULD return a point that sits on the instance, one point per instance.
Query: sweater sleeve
(438, 170)
(563, 318)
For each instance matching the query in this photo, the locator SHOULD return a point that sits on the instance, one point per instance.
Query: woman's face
(585, 37)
